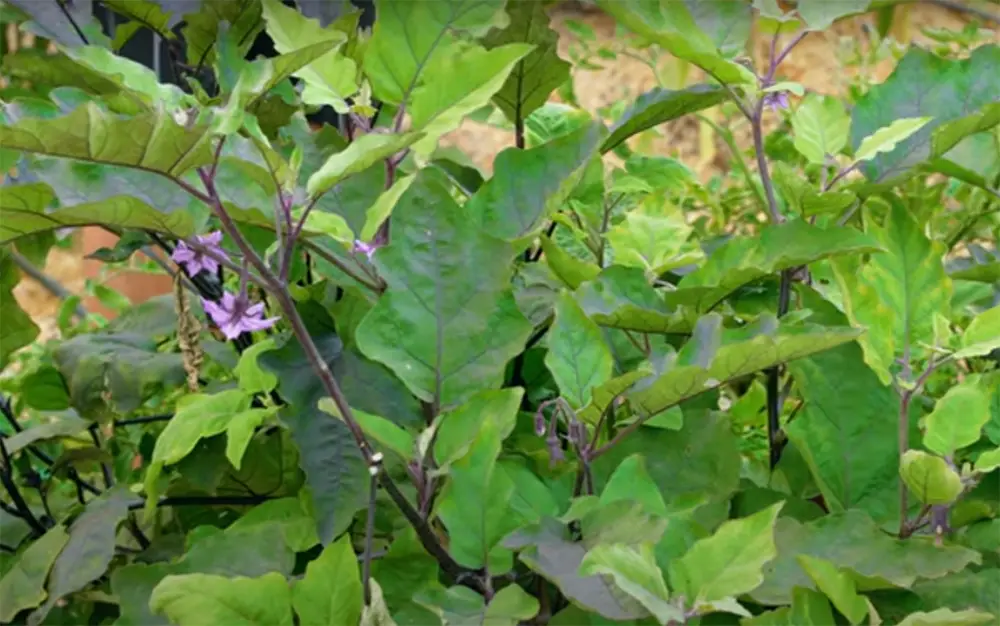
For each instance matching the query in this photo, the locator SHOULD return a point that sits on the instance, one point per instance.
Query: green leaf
(17, 329)
(850, 540)
(330, 592)
(23, 586)
(448, 323)
(672, 26)
(745, 259)
(705, 465)
(152, 141)
(546, 550)
(631, 481)
(930, 478)
(330, 78)
(197, 416)
(429, 31)
(475, 503)
(384, 432)
(653, 240)
(926, 85)
(404, 570)
(439, 107)
(947, 617)
(89, 550)
(461, 605)
(240, 430)
(570, 270)
(621, 297)
(716, 355)
(957, 419)
(361, 154)
(897, 293)
(988, 461)
(291, 513)
(147, 12)
(660, 106)
(578, 357)
(730, 562)
(846, 432)
(121, 368)
(528, 185)
(254, 379)
(821, 127)
(982, 335)
(202, 27)
(204, 598)
(335, 472)
(635, 572)
(376, 613)
(536, 75)
(837, 585)
(51, 22)
(379, 212)
(65, 425)
(820, 15)
(460, 427)
(886, 139)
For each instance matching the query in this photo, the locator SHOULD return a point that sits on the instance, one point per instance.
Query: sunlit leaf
(930, 478)
(947, 617)
(364, 152)
(957, 419)
(578, 357)
(635, 572)
(836, 585)
(821, 127)
(204, 598)
(982, 335)
(330, 592)
(654, 240)
(886, 139)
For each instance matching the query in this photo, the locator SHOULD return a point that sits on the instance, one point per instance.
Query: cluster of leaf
(565, 369)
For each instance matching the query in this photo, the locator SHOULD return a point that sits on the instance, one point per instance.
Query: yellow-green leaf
(930, 478)
(329, 594)
(957, 419)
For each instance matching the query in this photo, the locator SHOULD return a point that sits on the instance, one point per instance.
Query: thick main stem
(903, 438)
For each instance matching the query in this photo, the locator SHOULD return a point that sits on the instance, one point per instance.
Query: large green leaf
(60, 24)
(460, 427)
(578, 357)
(336, 473)
(947, 617)
(64, 425)
(475, 502)
(358, 157)
(89, 550)
(957, 419)
(653, 239)
(330, 78)
(635, 572)
(17, 329)
(198, 416)
(961, 95)
(744, 259)
(659, 106)
(536, 75)
(202, 27)
(621, 297)
(896, 295)
(846, 432)
(821, 127)
(699, 463)
(448, 323)
(23, 586)
(528, 185)
(151, 141)
(122, 368)
(210, 599)
(405, 570)
(672, 26)
(409, 37)
(461, 605)
(330, 592)
(730, 562)
(851, 540)
(715, 355)
(820, 15)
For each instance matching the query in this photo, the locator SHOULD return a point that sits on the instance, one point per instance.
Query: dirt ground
(814, 63)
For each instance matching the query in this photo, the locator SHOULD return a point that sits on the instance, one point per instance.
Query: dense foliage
(586, 389)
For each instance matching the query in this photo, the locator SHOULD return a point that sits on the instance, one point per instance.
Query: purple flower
(234, 315)
(367, 248)
(776, 100)
(196, 260)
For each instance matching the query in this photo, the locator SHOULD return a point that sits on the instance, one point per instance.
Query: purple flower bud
(556, 454)
(235, 315)
(540, 421)
(368, 249)
(776, 100)
(195, 259)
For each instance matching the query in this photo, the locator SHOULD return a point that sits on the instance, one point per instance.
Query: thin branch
(147, 419)
(15, 495)
(69, 16)
(366, 564)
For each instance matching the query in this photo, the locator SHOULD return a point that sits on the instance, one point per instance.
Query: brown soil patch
(814, 63)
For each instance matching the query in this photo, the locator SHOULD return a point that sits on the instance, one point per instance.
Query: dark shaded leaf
(660, 106)
(23, 586)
